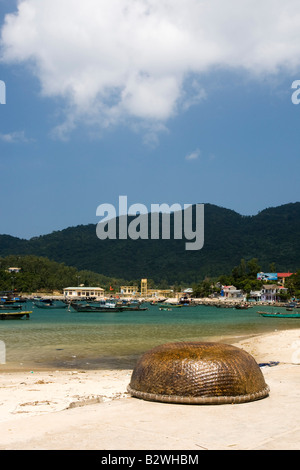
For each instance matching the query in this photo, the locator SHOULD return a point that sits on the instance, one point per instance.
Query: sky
(162, 101)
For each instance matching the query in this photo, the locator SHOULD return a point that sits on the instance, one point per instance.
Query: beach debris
(268, 364)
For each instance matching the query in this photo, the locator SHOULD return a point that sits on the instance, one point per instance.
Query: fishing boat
(3, 306)
(131, 306)
(49, 303)
(242, 306)
(14, 315)
(8, 301)
(107, 307)
(280, 314)
(169, 305)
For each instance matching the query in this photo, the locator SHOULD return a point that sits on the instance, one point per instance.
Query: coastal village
(268, 289)
(273, 291)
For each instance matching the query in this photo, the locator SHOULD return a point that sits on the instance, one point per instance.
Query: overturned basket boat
(198, 373)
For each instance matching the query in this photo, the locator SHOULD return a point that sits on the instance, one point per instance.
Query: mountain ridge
(271, 236)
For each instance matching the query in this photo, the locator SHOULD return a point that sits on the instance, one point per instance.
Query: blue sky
(185, 107)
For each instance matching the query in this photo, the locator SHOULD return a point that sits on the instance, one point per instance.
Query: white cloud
(14, 137)
(118, 59)
(194, 155)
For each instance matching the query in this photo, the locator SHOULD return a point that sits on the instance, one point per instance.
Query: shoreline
(32, 367)
(49, 396)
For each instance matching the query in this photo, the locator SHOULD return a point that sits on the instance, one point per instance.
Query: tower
(144, 288)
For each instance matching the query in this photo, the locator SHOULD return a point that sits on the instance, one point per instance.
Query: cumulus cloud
(110, 61)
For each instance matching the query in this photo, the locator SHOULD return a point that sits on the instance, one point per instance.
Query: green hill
(271, 236)
(39, 274)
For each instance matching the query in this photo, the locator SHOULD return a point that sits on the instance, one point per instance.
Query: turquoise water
(69, 339)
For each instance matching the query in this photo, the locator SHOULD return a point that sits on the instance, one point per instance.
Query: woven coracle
(197, 373)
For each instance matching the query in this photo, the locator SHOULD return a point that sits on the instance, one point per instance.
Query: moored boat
(280, 314)
(242, 306)
(170, 305)
(49, 303)
(131, 307)
(14, 315)
(10, 307)
(108, 307)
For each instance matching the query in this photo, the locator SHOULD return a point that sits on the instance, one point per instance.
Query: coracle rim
(205, 400)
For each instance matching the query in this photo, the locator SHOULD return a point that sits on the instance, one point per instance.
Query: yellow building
(128, 290)
(144, 289)
(159, 292)
(153, 293)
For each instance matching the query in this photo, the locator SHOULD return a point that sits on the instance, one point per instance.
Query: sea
(66, 339)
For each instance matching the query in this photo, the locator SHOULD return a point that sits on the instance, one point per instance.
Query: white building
(231, 292)
(73, 293)
(14, 270)
(271, 292)
(255, 295)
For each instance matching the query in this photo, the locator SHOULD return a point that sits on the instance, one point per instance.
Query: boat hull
(14, 315)
(94, 308)
(10, 307)
(279, 315)
(99, 308)
(49, 305)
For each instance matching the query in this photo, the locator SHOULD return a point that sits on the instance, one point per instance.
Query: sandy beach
(91, 410)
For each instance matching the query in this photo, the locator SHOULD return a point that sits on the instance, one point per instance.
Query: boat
(131, 306)
(164, 305)
(8, 301)
(10, 307)
(49, 303)
(280, 314)
(14, 315)
(107, 307)
(242, 307)
(165, 308)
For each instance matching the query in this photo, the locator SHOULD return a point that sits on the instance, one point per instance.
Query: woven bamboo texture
(198, 373)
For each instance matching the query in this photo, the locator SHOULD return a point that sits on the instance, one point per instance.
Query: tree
(203, 289)
(272, 268)
(253, 268)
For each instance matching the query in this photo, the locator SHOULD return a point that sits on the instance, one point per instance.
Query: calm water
(69, 339)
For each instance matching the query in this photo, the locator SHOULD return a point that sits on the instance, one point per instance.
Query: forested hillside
(271, 236)
(38, 274)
